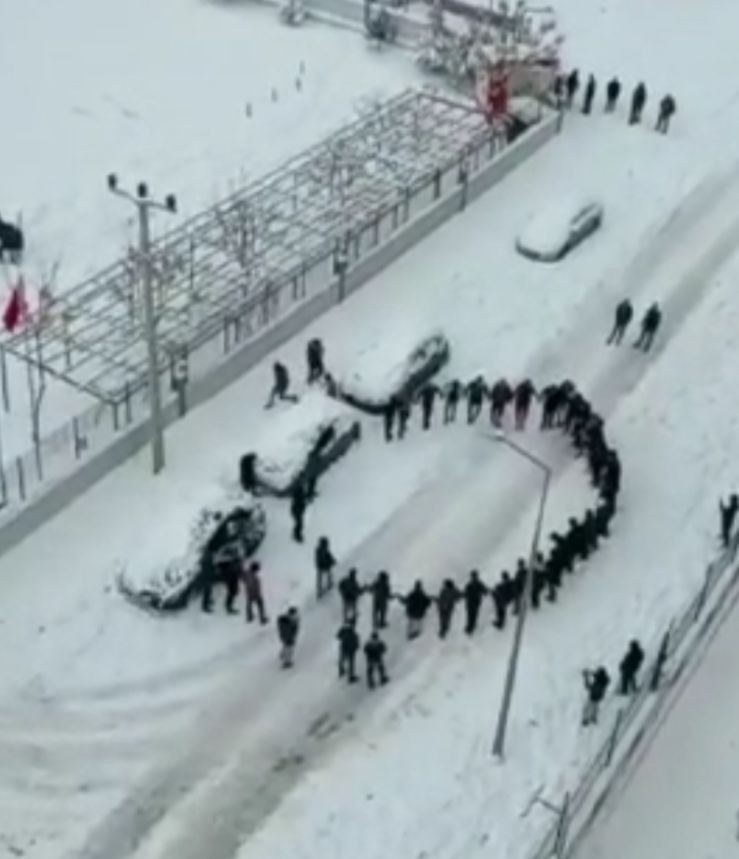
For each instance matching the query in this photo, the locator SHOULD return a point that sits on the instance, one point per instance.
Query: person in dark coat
(476, 391)
(325, 563)
(452, 396)
(603, 515)
(587, 102)
(381, 593)
(503, 594)
(520, 576)
(500, 395)
(298, 503)
(649, 325)
(728, 513)
(314, 357)
(350, 590)
(288, 626)
(638, 101)
(404, 414)
(230, 570)
(11, 242)
(474, 591)
(590, 531)
(388, 417)
(558, 88)
(613, 91)
(280, 386)
(538, 580)
(374, 652)
(572, 84)
(624, 314)
(596, 685)
(248, 473)
(522, 396)
(629, 668)
(577, 540)
(427, 396)
(254, 594)
(417, 603)
(667, 109)
(348, 647)
(550, 401)
(446, 602)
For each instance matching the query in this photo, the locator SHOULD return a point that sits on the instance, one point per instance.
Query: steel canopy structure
(227, 262)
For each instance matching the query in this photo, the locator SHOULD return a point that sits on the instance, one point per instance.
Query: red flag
(16, 309)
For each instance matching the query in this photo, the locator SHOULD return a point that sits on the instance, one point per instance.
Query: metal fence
(580, 806)
(327, 273)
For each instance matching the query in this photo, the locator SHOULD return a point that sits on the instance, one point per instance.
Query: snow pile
(393, 367)
(151, 578)
(303, 440)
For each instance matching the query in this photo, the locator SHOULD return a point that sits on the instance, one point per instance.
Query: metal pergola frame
(214, 265)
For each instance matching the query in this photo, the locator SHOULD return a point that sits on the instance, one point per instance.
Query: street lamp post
(525, 599)
(144, 204)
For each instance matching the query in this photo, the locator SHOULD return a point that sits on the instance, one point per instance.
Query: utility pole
(144, 204)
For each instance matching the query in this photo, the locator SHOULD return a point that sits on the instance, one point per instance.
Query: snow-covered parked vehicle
(232, 526)
(392, 368)
(561, 226)
(302, 441)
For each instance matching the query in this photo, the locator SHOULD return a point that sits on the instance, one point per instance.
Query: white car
(552, 233)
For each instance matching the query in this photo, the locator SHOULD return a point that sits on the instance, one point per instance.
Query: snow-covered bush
(392, 368)
(155, 577)
(302, 441)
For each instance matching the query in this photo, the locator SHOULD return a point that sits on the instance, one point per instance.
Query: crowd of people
(566, 88)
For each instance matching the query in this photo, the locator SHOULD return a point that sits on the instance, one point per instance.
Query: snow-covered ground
(122, 735)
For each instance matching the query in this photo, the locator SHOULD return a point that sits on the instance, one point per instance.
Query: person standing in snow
(638, 101)
(550, 401)
(538, 580)
(254, 595)
(572, 85)
(667, 109)
(587, 102)
(649, 325)
(522, 397)
(381, 593)
(417, 603)
(427, 398)
(728, 515)
(596, 686)
(404, 414)
(12, 242)
(314, 357)
(325, 563)
(500, 395)
(288, 626)
(281, 385)
(452, 395)
(388, 417)
(476, 392)
(622, 318)
(629, 668)
(350, 590)
(298, 503)
(474, 591)
(446, 602)
(348, 647)
(519, 585)
(613, 91)
(374, 652)
(503, 595)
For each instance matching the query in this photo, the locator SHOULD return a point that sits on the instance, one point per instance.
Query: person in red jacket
(254, 596)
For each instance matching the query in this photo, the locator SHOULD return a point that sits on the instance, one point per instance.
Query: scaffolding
(228, 261)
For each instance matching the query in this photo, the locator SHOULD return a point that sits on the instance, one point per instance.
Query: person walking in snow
(728, 515)
(474, 591)
(254, 595)
(348, 647)
(350, 590)
(324, 563)
(281, 385)
(503, 596)
(374, 652)
(314, 353)
(622, 318)
(446, 602)
(638, 101)
(613, 91)
(667, 109)
(596, 686)
(587, 102)
(629, 668)
(451, 401)
(381, 593)
(417, 603)
(649, 325)
(522, 397)
(288, 626)
(427, 397)
(476, 392)
(572, 85)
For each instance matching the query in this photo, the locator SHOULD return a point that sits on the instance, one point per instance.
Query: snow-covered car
(301, 442)
(552, 233)
(151, 579)
(392, 367)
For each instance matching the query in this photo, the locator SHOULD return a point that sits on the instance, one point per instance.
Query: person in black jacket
(298, 503)
(596, 685)
(667, 108)
(500, 395)
(638, 100)
(350, 590)
(624, 314)
(446, 602)
(404, 415)
(381, 593)
(649, 325)
(325, 563)
(503, 594)
(388, 417)
(348, 647)
(538, 580)
(728, 515)
(550, 397)
(281, 385)
(11, 242)
(427, 396)
(587, 102)
(314, 353)
(629, 668)
(417, 603)
(288, 626)
(474, 591)
(476, 392)
(374, 651)
(572, 84)
(522, 396)
(452, 395)
(519, 584)
(613, 91)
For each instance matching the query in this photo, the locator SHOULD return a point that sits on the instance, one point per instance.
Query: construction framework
(228, 261)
